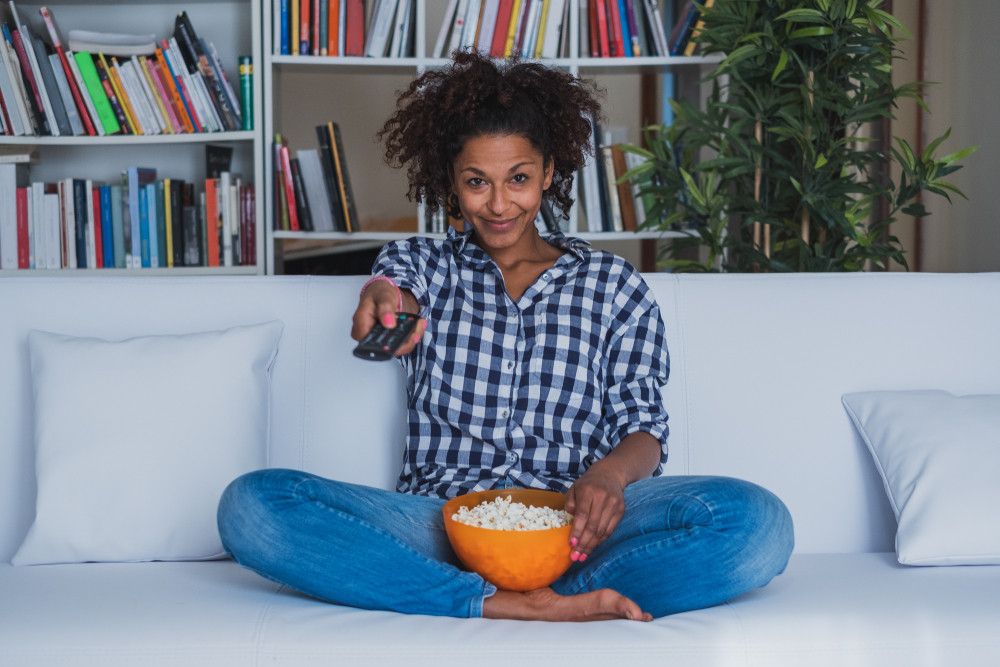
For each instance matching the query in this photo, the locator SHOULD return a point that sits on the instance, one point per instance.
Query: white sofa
(759, 364)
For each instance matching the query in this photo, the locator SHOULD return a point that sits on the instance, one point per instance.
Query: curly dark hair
(476, 96)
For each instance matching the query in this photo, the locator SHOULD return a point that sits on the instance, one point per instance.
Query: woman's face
(499, 182)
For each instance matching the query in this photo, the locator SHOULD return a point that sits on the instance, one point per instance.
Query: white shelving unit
(235, 27)
(275, 65)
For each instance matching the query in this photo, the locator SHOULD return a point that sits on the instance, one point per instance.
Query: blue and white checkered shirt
(527, 393)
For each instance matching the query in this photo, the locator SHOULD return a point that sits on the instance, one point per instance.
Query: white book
(655, 19)
(8, 216)
(583, 29)
(445, 28)
(276, 27)
(378, 39)
(553, 28)
(471, 23)
(207, 102)
(70, 222)
(150, 96)
(17, 89)
(7, 90)
(458, 27)
(91, 238)
(490, 11)
(37, 221)
(398, 31)
(53, 245)
(531, 30)
(173, 54)
(631, 162)
(409, 46)
(591, 195)
(227, 87)
(319, 200)
(69, 104)
(227, 230)
(29, 50)
(88, 101)
(139, 112)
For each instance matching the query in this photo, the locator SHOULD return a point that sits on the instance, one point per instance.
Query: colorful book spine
(109, 91)
(117, 226)
(246, 92)
(284, 26)
(293, 218)
(315, 25)
(355, 35)
(294, 25)
(212, 220)
(34, 96)
(74, 88)
(119, 91)
(304, 12)
(162, 69)
(162, 233)
(107, 233)
(333, 27)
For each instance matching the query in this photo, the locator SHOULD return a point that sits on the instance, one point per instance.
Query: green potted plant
(778, 148)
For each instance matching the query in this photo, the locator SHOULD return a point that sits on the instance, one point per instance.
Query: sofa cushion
(136, 440)
(859, 609)
(938, 455)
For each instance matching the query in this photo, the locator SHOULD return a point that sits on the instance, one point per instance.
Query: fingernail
(388, 320)
(583, 557)
(628, 614)
(574, 555)
(573, 541)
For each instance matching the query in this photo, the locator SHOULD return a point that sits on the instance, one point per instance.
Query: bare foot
(545, 604)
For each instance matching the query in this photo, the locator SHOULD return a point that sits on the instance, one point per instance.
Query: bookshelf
(235, 27)
(395, 73)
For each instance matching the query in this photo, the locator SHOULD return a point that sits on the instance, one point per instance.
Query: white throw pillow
(136, 440)
(939, 457)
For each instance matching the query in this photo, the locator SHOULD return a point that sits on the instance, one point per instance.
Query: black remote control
(381, 344)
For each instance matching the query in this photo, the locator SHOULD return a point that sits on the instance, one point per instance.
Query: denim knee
(245, 503)
(770, 536)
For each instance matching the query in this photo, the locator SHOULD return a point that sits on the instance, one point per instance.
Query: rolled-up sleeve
(638, 365)
(406, 264)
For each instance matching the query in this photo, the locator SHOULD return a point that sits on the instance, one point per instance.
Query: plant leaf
(782, 63)
(958, 155)
(929, 151)
(803, 16)
(820, 161)
(816, 31)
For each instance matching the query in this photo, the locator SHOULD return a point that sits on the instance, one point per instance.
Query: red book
(304, 6)
(355, 36)
(333, 28)
(98, 229)
(70, 79)
(286, 169)
(602, 27)
(503, 24)
(315, 28)
(23, 242)
(212, 220)
(615, 34)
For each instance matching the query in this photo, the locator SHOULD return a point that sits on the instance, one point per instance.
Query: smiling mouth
(500, 225)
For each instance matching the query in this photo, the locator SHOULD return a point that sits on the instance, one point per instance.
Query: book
(126, 209)
(212, 220)
(50, 221)
(343, 178)
(286, 170)
(616, 34)
(138, 178)
(500, 30)
(484, 40)
(169, 81)
(12, 178)
(66, 96)
(112, 44)
(121, 120)
(512, 27)
(144, 232)
(225, 215)
(135, 99)
(552, 29)
(332, 27)
(152, 110)
(354, 27)
(217, 159)
(698, 27)
(625, 197)
(192, 247)
(293, 27)
(246, 92)
(301, 199)
(81, 109)
(162, 233)
(31, 86)
(12, 88)
(43, 75)
(304, 11)
(116, 85)
(107, 234)
(330, 179)
(117, 226)
(155, 95)
(682, 29)
(315, 190)
(601, 20)
(102, 104)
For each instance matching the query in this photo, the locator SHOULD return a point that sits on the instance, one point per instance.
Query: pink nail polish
(388, 320)
(574, 555)
(573, 541)
(583, 557)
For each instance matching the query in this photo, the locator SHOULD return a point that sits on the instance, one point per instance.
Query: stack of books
(142, 222)
(109, 84)
(683, 38)
(608, 206)
(554, 28)
(337, 28)
(313, 190)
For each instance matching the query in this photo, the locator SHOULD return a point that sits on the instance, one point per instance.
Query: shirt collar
(460, 241)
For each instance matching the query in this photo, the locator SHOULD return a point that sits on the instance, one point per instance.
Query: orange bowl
(511, 560)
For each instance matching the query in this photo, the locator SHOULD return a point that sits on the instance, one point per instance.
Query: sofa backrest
(758, 367)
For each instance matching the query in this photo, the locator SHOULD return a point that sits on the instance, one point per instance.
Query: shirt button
(504, 414)
(545, 275)
(510, 365)
(512, 458)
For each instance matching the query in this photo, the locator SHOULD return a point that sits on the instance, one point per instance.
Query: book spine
(332, 27)
(180, 105)
(23, 242)
(226, 215)
(177, 220)
(301, 201)
(157, 95)
(294, 27)
(35, 216)
(124, 99)
(626, 33)
(31, 86)
(162, 231)
(252, 226)
(165, 195)
(11, 119)
(317, 25)
(340, 164)
(293, 218)
(696, 32)
(282, 25)
(16, 83)
(152, 102)
(615, 35)
(246, 92)
(179, 74)
(102, 105)
(234, 223)
(304, 12)
(107, 235)
(500, 30)
(109, 92)
(512, 26)
(633, 27)
(342, 29)
(117, 227)
(223, 78)
(174, 113)
(438, 51)
(8, 216)
(355, 28)
(66, 95)
(74, 86)
(80, 216)
(153, 225)
(43, 75)
(212, 220)
(144, 228)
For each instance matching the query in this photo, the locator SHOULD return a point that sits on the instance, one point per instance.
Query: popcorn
(502, 514)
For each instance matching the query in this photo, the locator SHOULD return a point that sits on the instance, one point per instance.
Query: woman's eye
(476, 182)
(521, 178)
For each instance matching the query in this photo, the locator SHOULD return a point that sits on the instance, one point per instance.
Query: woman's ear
(550, 167)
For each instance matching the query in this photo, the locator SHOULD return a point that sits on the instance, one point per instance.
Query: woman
(537, 363)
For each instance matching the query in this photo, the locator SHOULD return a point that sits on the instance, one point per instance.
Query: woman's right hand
(378, 304)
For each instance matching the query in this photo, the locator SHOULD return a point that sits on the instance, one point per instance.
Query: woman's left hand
(597, 502)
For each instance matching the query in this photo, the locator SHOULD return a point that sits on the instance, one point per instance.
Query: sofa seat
(826, 609)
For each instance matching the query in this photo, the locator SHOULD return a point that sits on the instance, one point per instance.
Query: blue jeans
(684, 543)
